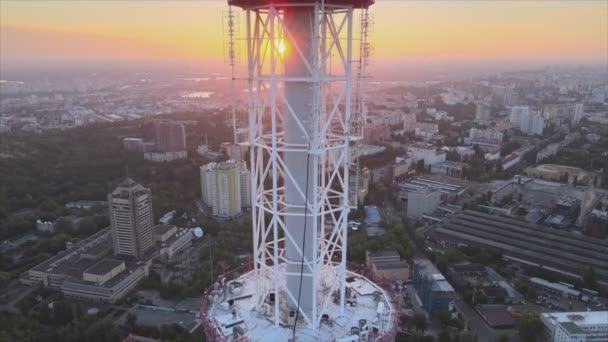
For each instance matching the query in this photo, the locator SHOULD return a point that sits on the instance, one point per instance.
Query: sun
(281, 47)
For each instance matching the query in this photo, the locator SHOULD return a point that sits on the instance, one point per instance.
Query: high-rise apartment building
(409, 122)
(169, 136)
(577, 113)
(225, 187)
(482, 111)
(526, 120)
(130, 206)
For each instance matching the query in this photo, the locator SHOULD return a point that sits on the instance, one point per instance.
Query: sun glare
(281, 47)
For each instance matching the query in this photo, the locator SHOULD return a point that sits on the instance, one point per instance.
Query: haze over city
(303, 170)
(486, 34)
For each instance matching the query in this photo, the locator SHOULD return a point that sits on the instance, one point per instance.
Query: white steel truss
(299, 104)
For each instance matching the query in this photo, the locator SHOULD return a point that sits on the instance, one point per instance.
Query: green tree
(48, 205)
(87, 226)
(62, 313)
(64, 225)
(529, 327)
(502, 338)
(102, 331)
(444, 336)
(131, 321)
(58, 241)
(418, 321)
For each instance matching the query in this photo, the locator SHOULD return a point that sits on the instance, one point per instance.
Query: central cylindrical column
(299, 22)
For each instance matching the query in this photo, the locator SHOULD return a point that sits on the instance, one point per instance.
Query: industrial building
(554, 289)
(386, 266)
(85, 271)
(449, 192)
(434, 291)
(423, 201)
(575, 326)
(531, 244)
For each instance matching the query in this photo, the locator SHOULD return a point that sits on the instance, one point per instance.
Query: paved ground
(160, 316)
(479, 326)
(17, 293)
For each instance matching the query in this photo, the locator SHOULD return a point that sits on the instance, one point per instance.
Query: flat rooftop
(69, 261)
(584, 317)
(537, 244)
(496, 315)
(383, 254)
(417, 183)
(372, 214)
(104, 266)
(390, 265)
(163, 228)
(248, 314)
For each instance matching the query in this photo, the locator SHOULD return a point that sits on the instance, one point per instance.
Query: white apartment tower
(526, 120)
(577, 113)
(225, 187)
(130, 206)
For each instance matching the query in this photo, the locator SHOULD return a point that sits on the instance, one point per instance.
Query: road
(479, 326)
(10, 306)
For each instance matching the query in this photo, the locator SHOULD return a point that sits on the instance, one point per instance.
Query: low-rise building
(548, 151)
(448, 168)
(103, 271)
(434, 291)
(133, 144)
(387, 266)
(83, 271)
(449, 192)
(165, 156)
(488, 136)
(401, 166)
(429, 153)
(45, 226)
(554, 289)
(575, 326)
(421, 202)
(492, 154)
(174, 243)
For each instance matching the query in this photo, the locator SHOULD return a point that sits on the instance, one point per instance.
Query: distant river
(199, 95)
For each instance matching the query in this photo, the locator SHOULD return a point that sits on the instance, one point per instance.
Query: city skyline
(181, 32)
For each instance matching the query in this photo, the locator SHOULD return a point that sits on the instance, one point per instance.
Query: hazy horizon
(58, 36)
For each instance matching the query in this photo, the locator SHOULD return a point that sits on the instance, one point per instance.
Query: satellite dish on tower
(198, 232)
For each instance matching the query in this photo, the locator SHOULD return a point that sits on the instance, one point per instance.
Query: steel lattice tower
(299, 78)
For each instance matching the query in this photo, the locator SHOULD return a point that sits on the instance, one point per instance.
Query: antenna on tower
(300, 108)
(360, 117)
(230, 28)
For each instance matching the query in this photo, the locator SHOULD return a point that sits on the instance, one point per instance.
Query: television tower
(299, 75)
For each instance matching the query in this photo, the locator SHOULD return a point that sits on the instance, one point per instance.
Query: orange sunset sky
(63, 31)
